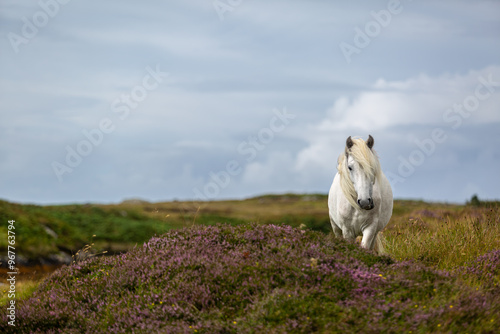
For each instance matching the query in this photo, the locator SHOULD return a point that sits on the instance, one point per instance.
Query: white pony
(360, 199)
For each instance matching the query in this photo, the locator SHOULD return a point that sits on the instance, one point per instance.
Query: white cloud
(419, 101)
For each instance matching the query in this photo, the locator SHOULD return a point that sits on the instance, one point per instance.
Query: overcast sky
(102, 101)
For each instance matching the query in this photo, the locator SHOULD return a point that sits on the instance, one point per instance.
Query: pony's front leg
(348, 234)
(369, 236)
(336, 229)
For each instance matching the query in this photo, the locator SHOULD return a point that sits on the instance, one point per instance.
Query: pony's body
(360, 199)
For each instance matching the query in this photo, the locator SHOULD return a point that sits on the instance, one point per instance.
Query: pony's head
(359, 169)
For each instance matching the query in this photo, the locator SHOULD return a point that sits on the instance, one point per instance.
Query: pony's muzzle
(366, 204)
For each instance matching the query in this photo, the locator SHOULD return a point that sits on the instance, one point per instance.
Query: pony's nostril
(359, 201)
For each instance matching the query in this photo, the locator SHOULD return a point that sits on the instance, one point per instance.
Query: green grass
(43, 231)
(443, 236)
(24, 289)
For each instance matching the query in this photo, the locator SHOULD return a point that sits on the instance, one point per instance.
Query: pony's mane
(367, 159)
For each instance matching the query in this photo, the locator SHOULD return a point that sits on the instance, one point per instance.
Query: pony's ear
(370, 142)
(348, 143)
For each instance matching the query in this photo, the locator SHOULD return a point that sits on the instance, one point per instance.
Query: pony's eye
(350, 168)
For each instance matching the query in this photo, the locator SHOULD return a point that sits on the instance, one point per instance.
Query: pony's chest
(357, 221)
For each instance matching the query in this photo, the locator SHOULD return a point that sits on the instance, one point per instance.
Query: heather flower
(486, 267)
(253, 278)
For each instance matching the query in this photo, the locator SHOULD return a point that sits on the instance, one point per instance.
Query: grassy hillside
(436, 234)
(442, 268)
(257, 278)
(43, 231)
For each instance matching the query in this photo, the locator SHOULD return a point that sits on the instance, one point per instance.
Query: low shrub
(253, 279)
